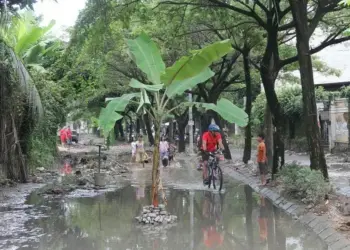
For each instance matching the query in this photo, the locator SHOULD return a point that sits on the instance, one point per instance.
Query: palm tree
(22, 44)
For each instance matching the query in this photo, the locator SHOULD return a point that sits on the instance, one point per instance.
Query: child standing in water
(164, 151)
(140, 150)
(262, 159)
(133, 151)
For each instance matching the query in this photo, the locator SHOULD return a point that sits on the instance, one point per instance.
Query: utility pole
(190, 124)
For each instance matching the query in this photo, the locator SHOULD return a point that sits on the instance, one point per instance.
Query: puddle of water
(236, 219)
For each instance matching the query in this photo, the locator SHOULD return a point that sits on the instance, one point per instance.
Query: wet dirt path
(237, 218)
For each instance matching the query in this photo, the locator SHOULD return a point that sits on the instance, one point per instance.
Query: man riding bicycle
(211, 140)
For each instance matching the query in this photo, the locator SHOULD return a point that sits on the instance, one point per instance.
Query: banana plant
(167, 83)
(27, 39)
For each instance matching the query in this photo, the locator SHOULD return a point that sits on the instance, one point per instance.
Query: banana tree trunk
(155, 167)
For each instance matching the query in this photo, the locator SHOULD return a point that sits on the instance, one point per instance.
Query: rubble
(155, 215)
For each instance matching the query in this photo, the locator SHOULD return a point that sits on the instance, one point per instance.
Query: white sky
(64, 12)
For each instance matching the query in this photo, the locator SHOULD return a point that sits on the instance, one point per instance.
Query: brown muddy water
(237, 219)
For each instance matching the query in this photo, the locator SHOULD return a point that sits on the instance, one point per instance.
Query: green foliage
(42, 141)
(228, 111)
(179, 87)
(290, 98)
(345, 92)
(190, 66)
(28, 40)
(178, 77)
(147, 57)
(304, 184)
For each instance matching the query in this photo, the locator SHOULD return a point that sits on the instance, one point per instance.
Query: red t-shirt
(212, 140)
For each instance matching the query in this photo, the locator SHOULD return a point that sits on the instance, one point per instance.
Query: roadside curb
(318, 224)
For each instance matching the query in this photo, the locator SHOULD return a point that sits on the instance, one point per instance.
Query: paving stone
(299, 211)
(320, 227)
(292, 208)
(314, 222)
(327, 233)
(274, 196)
(307, 218)
(265, 191)
(279, 200)
(340, 244)
(287, 205)
(333, 238)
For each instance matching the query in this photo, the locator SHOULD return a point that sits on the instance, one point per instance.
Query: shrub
(303, 183)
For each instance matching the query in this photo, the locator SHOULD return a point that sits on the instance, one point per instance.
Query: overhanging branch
(320, 47)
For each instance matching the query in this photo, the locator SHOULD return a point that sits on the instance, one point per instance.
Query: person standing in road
(140, 150)
(262, 159)
(133, 151)
(69, 136)
(63, 136)
(164, 151)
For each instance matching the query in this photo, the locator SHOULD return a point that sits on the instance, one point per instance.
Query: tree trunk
(155, 167)
(248, 109)
(149, 129)
(268, 131)
(171, 131)
(182, 122)
(138, 126)
(291, 129)
(116, 130)
(120, 128)
(143, 128)
(130, 131)
(268, 71)
(317, 158)
(205, 121)
(182, 144)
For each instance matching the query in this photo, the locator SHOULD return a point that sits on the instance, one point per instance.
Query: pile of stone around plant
(155, 231)
(155, 215)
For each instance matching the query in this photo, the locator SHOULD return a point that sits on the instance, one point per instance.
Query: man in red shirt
(211, 140)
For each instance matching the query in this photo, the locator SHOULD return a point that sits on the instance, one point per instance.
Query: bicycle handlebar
(219, 151)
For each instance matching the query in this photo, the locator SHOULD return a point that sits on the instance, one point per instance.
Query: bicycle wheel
(210, 176)
(220, 177)
(213, 177)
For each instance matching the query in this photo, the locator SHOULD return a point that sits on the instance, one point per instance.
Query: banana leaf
(227, 110)
(179, 87)
(138, 85)
(147, 57)
(189, 66)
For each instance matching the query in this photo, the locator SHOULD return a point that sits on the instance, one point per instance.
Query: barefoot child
(133, 151)
(261, 158)
(140, 150)
(164, 151)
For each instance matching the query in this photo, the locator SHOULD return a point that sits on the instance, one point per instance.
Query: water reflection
(238, 219)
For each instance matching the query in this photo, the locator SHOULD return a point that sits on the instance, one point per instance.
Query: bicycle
(214, 170)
